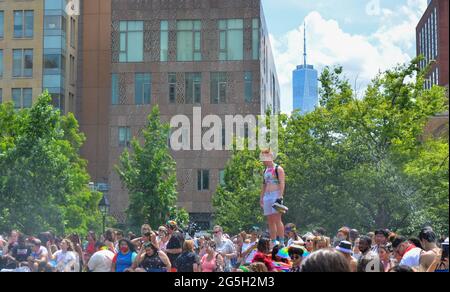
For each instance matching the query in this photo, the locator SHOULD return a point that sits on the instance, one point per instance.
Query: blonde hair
(188, 245)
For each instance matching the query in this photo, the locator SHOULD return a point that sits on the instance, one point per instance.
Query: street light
(104, 209)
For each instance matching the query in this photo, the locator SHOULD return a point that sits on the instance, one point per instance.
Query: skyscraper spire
(304, 40)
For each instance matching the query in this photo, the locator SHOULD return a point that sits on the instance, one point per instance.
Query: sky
(363, 36)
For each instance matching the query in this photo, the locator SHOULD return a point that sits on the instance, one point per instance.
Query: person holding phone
(440, 263)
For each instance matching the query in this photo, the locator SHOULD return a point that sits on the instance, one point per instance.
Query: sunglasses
(295, 256)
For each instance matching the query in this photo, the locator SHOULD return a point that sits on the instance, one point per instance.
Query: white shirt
(101, 261)
(251, 255)
(226, 246)
(64, 260)
(412, 258)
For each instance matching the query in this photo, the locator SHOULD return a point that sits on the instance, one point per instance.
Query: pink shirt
(208, 266)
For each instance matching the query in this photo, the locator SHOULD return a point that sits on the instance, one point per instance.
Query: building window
(131, 41)
(222, 177)
(54, 24)
(2, 24)
(73, 71)
(172, 87)
(71, 103)
(231, 40)
(23, 23)
(72, 32)
(22, 98)
(124, 137)
(115, 89)
(218, 87)
(248, 87)
(143, 88)
(1, 95)
(164, 41)
(54, 64)
(1, 63)
(193, 88)
(255, 39)
(189, 40)
(203, 180)
(23, 63)
(58, 101)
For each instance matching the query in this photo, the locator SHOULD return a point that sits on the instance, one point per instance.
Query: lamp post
(104, 209)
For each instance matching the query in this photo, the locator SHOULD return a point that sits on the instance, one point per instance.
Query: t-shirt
(185, 262)
(42, 252)
(176, 241)
(412, 258)
(64, 260)
(21, 253)
(124, 261)
(251, 255)
(226, 246)
(101, 261)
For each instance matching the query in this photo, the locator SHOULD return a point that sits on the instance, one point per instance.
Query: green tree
(43, 181)
(149, 174)
(236, 202)
(347, 159)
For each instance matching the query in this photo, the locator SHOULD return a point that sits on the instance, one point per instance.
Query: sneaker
(280, 207)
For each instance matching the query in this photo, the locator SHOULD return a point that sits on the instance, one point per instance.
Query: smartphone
(444, 251)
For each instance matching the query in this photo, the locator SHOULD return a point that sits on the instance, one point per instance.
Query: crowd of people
(169, 249)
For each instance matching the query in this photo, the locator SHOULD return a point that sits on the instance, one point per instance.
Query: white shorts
(269, 200)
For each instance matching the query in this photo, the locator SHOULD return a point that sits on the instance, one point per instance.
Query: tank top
(208, 266)
(270, 176)
(153, 264)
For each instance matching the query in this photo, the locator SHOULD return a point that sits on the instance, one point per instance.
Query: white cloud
(362, 56)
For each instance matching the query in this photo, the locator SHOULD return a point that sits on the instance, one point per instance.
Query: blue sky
(364, 36)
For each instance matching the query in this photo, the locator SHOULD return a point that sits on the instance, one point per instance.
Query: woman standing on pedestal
(272, 196)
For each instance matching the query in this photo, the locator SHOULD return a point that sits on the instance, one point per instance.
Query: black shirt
(185, 262)
(176, 241)
(21, 253)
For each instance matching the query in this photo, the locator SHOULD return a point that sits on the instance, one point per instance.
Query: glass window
(203, 180)
(193, 88)
(172, 87)
(22, 97)
(124, 136)
(255, 39)
(2, 24)
(231, 40)
(29, 23)
(52, 63)
(218, 87)
(131, 41)
(18, 24)
(23, 63)
(189, 40)
(115, 89)
(72, 32)
(248, 79)
(1, 63)
(23, 23)
(164, 41)
(17, 63)
(222, 177)
(142, 88)
(58, 101)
